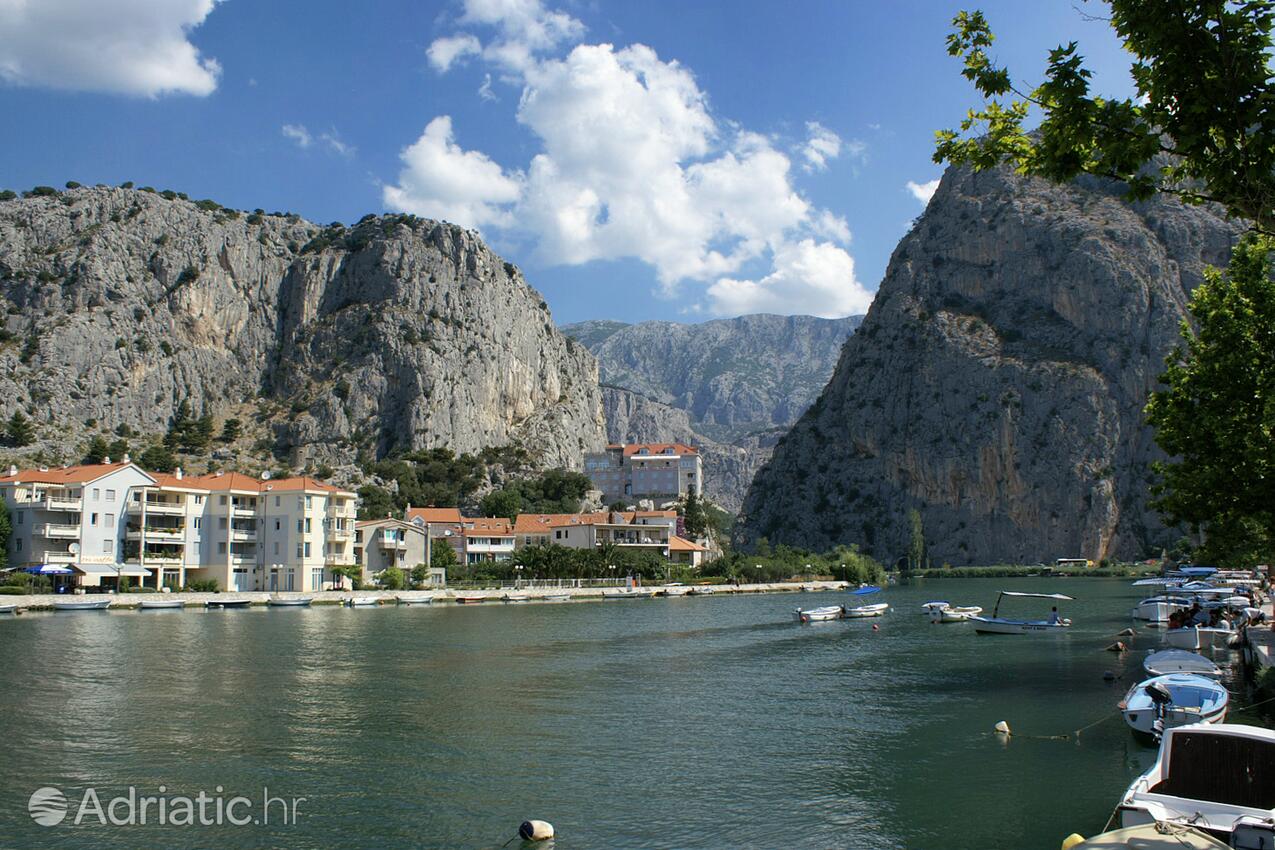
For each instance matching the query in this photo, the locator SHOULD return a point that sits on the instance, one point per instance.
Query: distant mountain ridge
(731, 386)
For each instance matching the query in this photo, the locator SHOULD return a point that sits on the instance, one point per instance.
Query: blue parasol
(48, 570)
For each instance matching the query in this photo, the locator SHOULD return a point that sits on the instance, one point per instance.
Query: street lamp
(518, 576)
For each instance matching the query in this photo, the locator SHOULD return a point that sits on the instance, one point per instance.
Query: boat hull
(819, 615)
(80, 605)
(1168, 661)
(289, 603)
(8, 608)
(160, 604)
(1002, 626)
(863, 611)
(230, 603)
(1195, 699)
(414, 600)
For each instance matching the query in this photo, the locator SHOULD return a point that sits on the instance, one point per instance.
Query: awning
(129, 570)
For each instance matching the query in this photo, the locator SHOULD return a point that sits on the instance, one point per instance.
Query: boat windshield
(1226, 769)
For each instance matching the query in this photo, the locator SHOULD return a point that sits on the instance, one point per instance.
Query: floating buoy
(1118, 646)
(1108, 676)
(875, 627)
(1072, 840)
(1125, 633)
(1002, 728)
(535, 830)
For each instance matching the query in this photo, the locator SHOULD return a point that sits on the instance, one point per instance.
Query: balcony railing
(386, 543)
(156, 507)
(172, 535)
(62, 503)
(57, 557)
(51, 529)
(243, 534)
(339, 533)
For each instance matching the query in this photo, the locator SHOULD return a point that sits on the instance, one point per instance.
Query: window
(137, 495)
(21, 515)
(93, 519)
(109, 520)
(221, 500)
(278, 525)
(110, 495)
(276, 501)
(221, 548)
(299, 526)
(307, 550)
(97, 493)
(307, 525)
(107, 548)
(316, 578)
(197, 522)
(298, 550)
(300, 503)
(18, 540)
(276, 547)
(308, 502)
(221, 523)
(199, 500)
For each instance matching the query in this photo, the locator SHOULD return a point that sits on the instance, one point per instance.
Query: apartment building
(488, 539)
(113, 520)
(625, 472)
(652, 532)
(440, 523)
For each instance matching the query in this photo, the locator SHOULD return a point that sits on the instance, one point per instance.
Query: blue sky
(647, 160)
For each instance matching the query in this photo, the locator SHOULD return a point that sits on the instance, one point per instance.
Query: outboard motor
(1159, 694)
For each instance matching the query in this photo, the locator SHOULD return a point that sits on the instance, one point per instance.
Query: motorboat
(998, 625)
(876, 610)
(362, 602)
(1199, 637)
(8, 607)
(226, 603)
(556, 597)
(1157, 609)
(627, 594)
(471, 599)
(1153, 836)
(414, 600)
(944, 612)
(928, 608)
(1176, 699)
(290, 602)
(674, 590)
(515, 597)
(160, 604)
(1180, 661)
(819, 615)
(702, 590)
(1213, 777)
(82, 604)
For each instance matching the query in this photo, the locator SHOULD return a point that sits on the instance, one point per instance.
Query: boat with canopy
(998, 625)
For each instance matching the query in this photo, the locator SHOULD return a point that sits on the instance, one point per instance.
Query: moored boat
(1157, 609)
(1152, 837)
(819, 615)
(160, 604)
(998, 625)
(1180, 661)
(556, 597)
(362, 602)
(226, 603)
(703, 590)
(1175, 699)
(1215, 778)
(674, 590)
(876, 610)
(289, 602)
(82, 604)
(8, 607)
(627, 594)
(470, 599)
(956, 615)
(515, 597)
(414, 600)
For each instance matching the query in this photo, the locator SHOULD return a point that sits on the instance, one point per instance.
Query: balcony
(157, 507)
(57, 557)
(243, 535)
(50, 529)
(62, 503)
(392, 544)
(164, 533)
(164, 559)
(242, 558)
(339, 533)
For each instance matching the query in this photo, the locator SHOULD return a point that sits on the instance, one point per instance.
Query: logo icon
(47, 806)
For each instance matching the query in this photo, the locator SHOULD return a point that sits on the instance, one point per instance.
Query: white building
(646, 470)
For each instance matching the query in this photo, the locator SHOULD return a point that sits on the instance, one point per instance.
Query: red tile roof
(659, 449)
(81, 474)
(434, 514)
(681, 544)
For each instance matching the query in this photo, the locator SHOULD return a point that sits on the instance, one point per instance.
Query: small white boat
(945, 612)
(1199, 637)
(471, 599)
(290, 602)
(226, 603)
(1168, 661)
(819, 615)
(556, 597)
(673, 592)
(362, 602)
(414, 600)
(929, 608)
(703, 590)
(1215, 778)
(1157, 609)
(99, 604)
(997, 625)
(876, 610)
(515, 597)
(627, 594)
(1176, 699)
(160, 604)
(8, 607)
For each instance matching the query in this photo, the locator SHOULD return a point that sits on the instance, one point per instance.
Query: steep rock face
(394, 333)
(731, 376)
(998, 381)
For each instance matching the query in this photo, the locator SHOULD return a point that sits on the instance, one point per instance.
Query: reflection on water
(713, 722)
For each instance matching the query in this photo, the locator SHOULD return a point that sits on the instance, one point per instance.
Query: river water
(711, 722)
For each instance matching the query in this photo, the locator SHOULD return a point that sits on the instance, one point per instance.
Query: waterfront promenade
(38, 602)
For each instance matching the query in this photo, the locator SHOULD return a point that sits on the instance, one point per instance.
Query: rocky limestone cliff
(724, 386)
(998, 381)
(395, 333)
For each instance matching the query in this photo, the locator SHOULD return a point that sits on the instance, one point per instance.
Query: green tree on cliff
(1201, 127)
(19, 430)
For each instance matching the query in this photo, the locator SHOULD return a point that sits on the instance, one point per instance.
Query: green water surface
(711, 722)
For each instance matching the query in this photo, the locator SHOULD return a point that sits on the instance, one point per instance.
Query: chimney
(107, 460)
(44, 469)
(13, 470)
(126, 458)
(178, 474)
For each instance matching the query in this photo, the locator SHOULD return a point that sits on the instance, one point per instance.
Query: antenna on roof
(265, 476)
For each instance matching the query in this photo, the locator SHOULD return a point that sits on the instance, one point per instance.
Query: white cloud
(822, 145)
(336, 145)
(299, 134)
(632, 164)
(133, 47)
(808, 277)
(440, 180)
(924, 191)
(444, 52)
(485, 92)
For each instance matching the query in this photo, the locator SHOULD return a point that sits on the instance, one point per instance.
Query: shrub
(202, 585)
(71, 184)
(12, 590)
(41, 192)
(127, 184)
(8, 195)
